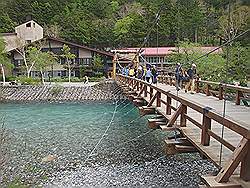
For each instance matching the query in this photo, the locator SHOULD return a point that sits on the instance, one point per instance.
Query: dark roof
(81, 46)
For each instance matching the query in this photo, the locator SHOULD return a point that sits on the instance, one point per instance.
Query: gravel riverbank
(49, 145)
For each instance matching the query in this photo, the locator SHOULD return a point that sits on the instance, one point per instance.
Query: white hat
(193, 65)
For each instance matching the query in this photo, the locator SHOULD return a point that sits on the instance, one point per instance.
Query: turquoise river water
(70, 131)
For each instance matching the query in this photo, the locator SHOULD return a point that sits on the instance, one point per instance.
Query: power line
(150, 30)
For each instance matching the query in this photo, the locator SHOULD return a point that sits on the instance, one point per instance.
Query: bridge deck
(235, 112)
(200, 118)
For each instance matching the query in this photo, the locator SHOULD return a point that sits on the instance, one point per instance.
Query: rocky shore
(106, 90)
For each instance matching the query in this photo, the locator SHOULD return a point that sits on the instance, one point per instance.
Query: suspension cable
(215, 49)
(100, 140)
(150, 30)
(124, 107)
(226, 80)
(129, 111)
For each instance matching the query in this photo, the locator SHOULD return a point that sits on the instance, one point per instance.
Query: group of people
(187, 76)
(150, 74)
(147, 73)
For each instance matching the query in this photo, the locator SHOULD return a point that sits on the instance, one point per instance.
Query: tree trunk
(69, 70)
(196, 35)
(69, 74)
(26, 65)
(3, 73)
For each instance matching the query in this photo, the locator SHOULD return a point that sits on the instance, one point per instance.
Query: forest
(125, 23)
(112, 24)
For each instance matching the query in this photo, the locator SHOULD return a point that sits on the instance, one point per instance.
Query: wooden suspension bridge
(199, 118)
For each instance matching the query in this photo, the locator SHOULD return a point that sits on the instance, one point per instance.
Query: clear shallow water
(71, 131)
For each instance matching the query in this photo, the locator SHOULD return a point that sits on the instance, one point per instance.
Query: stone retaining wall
(107, 90)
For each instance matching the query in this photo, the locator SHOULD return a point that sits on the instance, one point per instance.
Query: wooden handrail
(240, 153)
(241, 129)
(228, 86)
(239, 90)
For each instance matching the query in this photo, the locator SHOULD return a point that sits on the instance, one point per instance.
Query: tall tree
(40, 60)
(69, 57)
(4, 60)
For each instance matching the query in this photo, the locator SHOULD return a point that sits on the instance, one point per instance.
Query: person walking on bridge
(131, 72)
(148, 74)
(155, 74)
(192, 75)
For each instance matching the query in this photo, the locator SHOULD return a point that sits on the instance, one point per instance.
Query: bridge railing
(219, 92)
(215, 89)
(160, 98)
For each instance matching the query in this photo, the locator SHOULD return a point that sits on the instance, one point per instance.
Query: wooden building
(30, 33)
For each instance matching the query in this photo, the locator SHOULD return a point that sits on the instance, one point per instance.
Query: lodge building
(31, 33)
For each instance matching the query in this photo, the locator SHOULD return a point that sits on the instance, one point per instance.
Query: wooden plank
(158, 100)
(168, 106)
(245, 165)
(185, 149)
(140, 92)
(210, 181)
(166, 128)
(221, 140)
(193, 121)
(183, 121)
(206, 125)
(238, 154)
(152, 100)
(175, 116)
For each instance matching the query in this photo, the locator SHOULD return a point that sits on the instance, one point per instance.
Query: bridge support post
(158, 100)
(208, 90)
(220, 92)
(145, 91)
(183, 122)
(237, 156)
(197, 83)
(151, 93)
(245, 165)
(206, 125)
(141, 85)
(168, 106)
(238, 96)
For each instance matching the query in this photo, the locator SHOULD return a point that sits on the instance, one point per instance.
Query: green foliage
(97, 63)
(213, 67)
(40, 59)
(28, 81)
(56, 90)
(96, 79)
(67, 54)
(125, 23)
(4, 60)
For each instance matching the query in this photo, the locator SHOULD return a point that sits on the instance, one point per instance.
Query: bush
(56, 79)
(56, 90)
(99, 74)
(75, 79)
(28, 81)
(11, 78)
(96, 79)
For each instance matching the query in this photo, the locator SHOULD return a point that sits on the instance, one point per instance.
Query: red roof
(163, 51)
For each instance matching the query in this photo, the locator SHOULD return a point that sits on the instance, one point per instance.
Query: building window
(28, 41)
(34, 25)
(28, 24)
(59, 73)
